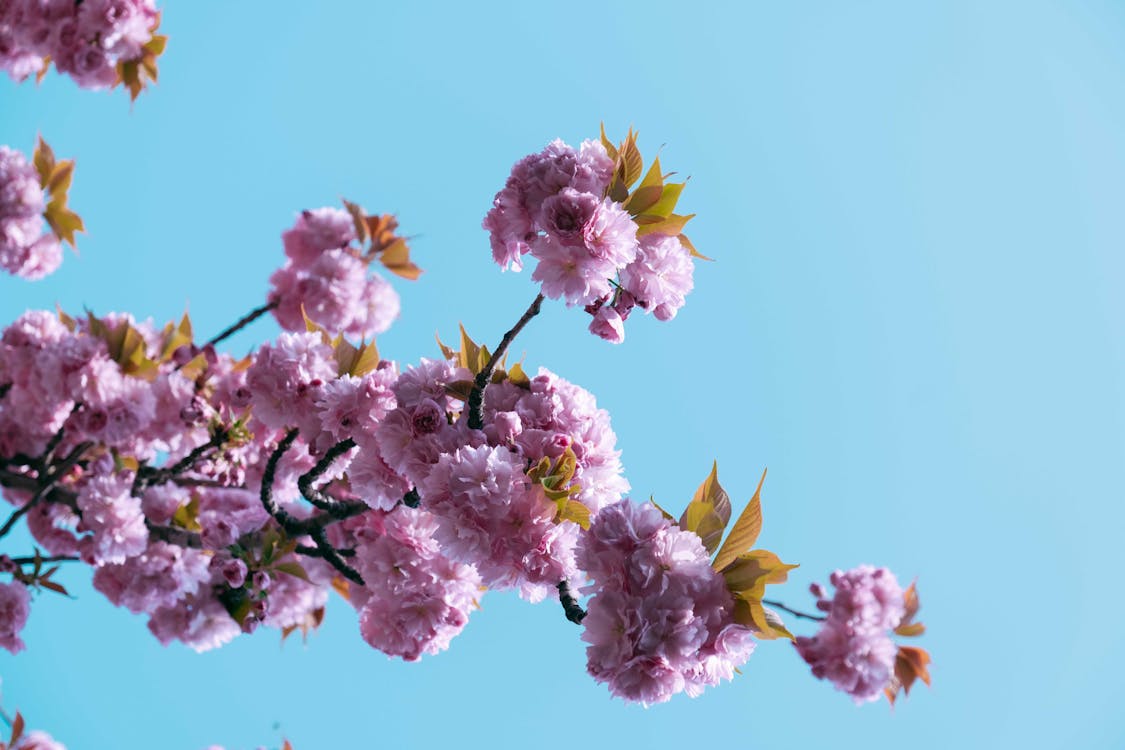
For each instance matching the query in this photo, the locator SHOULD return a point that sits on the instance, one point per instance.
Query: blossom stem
(242, 322)
(794, 612)
(573, 610)
(480, 382)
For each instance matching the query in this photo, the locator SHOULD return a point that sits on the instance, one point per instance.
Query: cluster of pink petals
(493, 526)
(416, 599)
(327, 280)
(554, 206)
(661, 619)
(85, 40)
(25, 250)
(15, 602)
(37, 740)
(853, 649)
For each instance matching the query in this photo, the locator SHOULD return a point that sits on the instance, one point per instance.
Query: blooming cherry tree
(216, 495)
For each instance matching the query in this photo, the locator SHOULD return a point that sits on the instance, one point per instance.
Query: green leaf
(44, 161)
(359, 219)
(396, 259)
(708, 512)
(750, 573)
(671, 226)
(516, 376)
(59, 181)
(643, 198)
(570, 509)
(608, 144)
(744, 532)
(292, 568)
(669, 196)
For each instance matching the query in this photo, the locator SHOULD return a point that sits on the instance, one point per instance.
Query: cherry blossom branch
(305, 483)
(242, 322)
(480, 382)
(292, 526)
(571, 607)
(147, 475)
(794, 612)
(46, 483)
(30, 560)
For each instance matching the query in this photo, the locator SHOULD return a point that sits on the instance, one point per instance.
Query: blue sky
(914, 320)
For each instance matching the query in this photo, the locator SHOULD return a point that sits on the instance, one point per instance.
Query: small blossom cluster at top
(325, 279)
(597, 245)
(98, 43)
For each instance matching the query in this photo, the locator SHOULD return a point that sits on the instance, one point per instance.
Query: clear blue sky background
(914, 320)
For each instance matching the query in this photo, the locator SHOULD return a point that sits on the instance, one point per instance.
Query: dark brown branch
(148, 476)
(306, 481)
(242, 322)
(795, 613)
(571, 607)
(480, 382)
(51, 559)
(45, 484)
(332, 557)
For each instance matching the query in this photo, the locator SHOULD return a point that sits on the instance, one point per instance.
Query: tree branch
(795, 613)
(571, 607)
(305, 483)
(242, 322)
(480, 382)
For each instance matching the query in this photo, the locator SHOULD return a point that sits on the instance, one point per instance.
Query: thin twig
(480, 382)
(794, 612)
(45, 484)
(242, 322)
(51, 559)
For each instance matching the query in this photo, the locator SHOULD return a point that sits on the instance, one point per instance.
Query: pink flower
(114, 519)
(853, 648)
(286, 377)
(316, 231)
(607, 324)
(661, 619)
(416, 600)
(15, 603)
(661, 276)
(158, 577)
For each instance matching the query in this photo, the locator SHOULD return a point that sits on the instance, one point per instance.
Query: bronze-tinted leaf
(44, 161)
(708, 512)
(745, 531)
(359, 220)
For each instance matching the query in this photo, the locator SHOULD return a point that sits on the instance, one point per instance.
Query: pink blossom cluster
(661, 619)
(416, 599)
(489, 512)
(15, 602)
(71, 389)
(85, 40)
(25, 249)
(555, 206)
(326, 279)
(853, 649)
